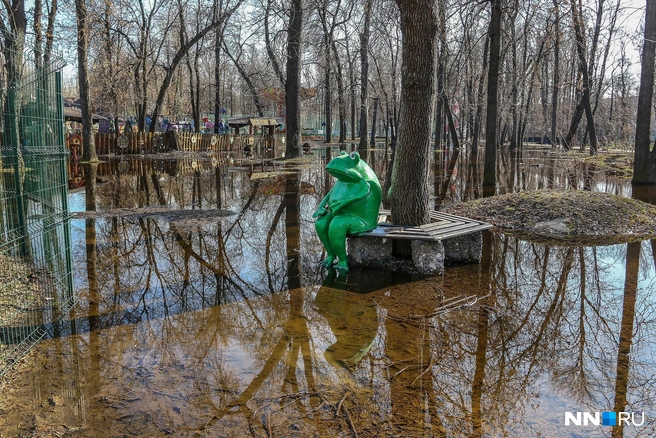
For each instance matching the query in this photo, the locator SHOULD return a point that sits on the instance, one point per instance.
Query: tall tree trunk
(478, 118)
(585, 97)
(353, 109)
(602, 71)
(218, 42)
(108, 50)
(439, 106)
(409, 191)
(514, 89)
(441, 77)
(38, 37)
(372, 143)
(524, 116)
(644, 170)
(573, 124)
(544, 100)
(89, 153)
(556, 75)
(351, 73)
(341, 98)
(50, 32)
(364, 70)
(194, 90)
(452, 125)
(327, 98)
(490, 168)
(293, 81)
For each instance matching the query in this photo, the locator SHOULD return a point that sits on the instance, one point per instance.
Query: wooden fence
(237, 146)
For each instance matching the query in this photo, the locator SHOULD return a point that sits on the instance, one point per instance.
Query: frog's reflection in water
(352, 318)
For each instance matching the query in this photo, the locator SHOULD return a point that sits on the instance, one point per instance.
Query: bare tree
(235, 58)
(409, 191)
(89, 153)
(218, 42)
(293, 80)
(214, 23)
(584, 105)
(644, 171)
(556, 74)
(364, 73)
(490, 170)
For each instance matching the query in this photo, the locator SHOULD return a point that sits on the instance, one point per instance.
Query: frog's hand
(336, 205)
(320, 212)
(321, 209)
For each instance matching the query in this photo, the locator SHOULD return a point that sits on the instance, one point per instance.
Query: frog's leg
(322, 225)
(340, 227)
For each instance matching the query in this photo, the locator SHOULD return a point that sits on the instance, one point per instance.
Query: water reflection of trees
(226, 325)
(150, 270)
(457, 174)
(559, 321)
(265, 360)
(196, 266)
(560, 312)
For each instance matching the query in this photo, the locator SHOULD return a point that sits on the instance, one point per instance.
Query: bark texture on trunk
(490, 168)
(364, 74)
(409, 191)
(556, 76)
(644, 170)
(293, 81)
(89, 153)
(583, 65)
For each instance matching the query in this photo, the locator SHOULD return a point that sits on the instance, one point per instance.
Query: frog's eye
(352, 155)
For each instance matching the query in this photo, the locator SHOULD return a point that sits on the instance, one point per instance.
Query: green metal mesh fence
(36, 287)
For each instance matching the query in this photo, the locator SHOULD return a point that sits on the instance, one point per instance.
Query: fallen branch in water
(427, 369)
(350, 422)
(456, 303)
(339, 405)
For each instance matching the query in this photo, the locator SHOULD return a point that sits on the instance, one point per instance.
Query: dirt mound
(573, 215)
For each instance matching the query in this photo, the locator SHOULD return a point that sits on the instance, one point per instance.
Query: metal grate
(36, 287)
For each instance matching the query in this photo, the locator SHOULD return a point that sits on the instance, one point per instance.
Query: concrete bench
(424, 249)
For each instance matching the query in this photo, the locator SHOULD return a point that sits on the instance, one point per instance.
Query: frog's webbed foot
(328, 262)
(342, 267)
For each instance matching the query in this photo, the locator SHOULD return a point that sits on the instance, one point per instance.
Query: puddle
(228, 326)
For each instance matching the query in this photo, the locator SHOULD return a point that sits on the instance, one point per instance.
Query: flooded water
(212, 317)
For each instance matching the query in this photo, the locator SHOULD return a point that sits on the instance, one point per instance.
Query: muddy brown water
(199, 324)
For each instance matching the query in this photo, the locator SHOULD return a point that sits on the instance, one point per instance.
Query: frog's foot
(328, 262)
(342, 267)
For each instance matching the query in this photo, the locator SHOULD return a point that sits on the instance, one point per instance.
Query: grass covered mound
(573, 214)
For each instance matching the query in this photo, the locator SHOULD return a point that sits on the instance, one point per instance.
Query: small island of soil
(576, 216)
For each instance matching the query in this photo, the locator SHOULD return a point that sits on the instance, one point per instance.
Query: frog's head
(345, 167)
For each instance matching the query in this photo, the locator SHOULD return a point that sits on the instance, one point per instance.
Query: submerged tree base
(575, 215)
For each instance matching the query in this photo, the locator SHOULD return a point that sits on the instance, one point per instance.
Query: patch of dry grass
(613, 163)
(579, 213)
(18, 286)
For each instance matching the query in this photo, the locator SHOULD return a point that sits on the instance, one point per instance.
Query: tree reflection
(227, 325)
(626, 331)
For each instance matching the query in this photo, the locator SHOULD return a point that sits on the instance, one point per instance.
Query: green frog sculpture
(350, 207)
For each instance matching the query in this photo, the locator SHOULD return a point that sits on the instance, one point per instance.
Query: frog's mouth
(350, 175)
